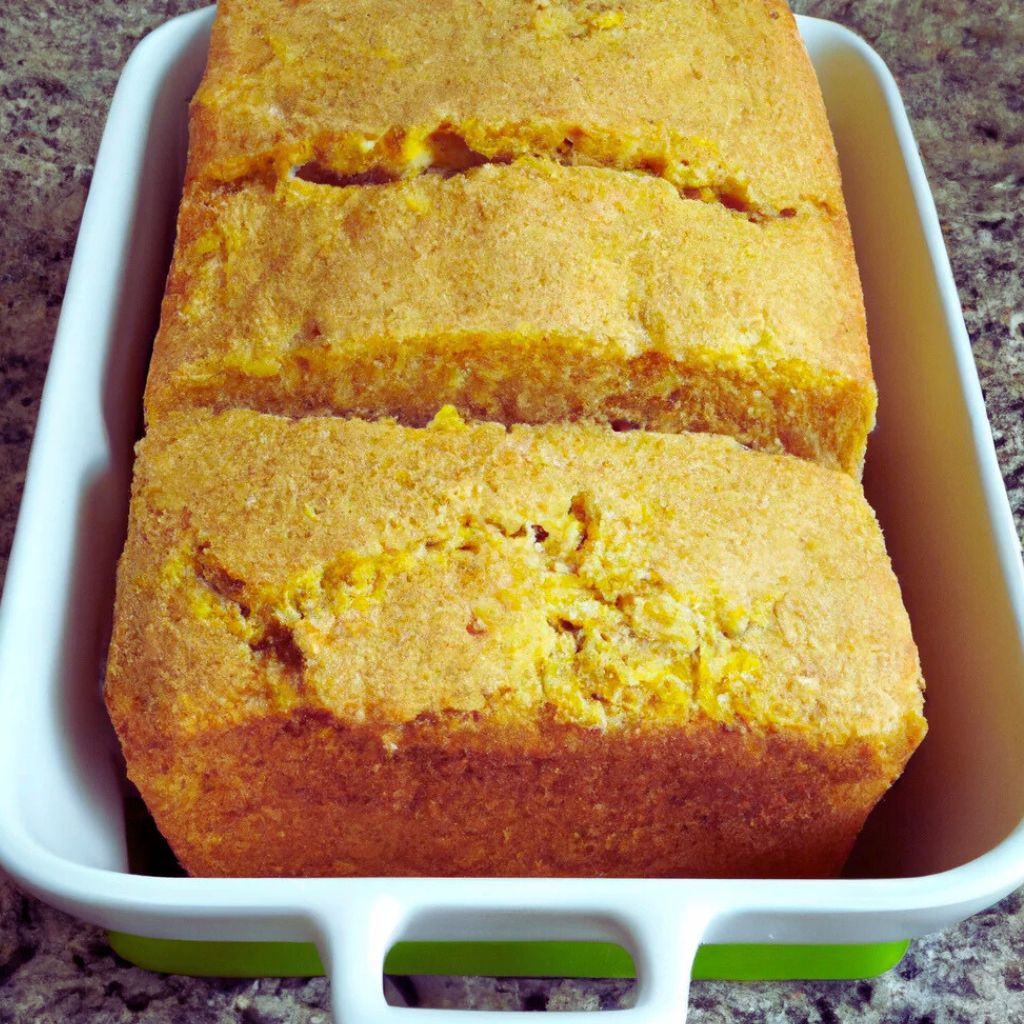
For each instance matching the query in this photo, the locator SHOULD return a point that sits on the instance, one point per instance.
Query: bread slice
(352, 648)
(522, 293)
(716, 96)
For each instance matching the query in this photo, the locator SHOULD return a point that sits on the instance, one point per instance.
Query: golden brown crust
(523, 293)
(669, 250)
(410, 603)
(324, 799)
(713, 94)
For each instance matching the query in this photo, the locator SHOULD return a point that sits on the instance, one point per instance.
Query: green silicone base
(739, 962)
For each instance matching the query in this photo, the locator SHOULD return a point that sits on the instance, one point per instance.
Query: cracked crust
(714, 95)
(522, 293)
(618, 609)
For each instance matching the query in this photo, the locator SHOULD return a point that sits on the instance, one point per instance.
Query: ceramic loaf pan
(946, 842)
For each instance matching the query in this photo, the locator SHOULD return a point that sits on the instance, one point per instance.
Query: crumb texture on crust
(619, 571)
(521, 293)
(576, 802)
(718, 98)
(536, 210)
(595, 584)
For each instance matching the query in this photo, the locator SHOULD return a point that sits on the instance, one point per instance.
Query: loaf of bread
(535, 210)
(400, 594)
(529, 293)
(352, 648)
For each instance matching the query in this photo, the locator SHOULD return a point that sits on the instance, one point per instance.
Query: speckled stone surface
(960, 65)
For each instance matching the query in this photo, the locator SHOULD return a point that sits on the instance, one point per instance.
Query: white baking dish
(947, 842)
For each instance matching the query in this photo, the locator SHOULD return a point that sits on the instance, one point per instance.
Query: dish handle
(355, 937)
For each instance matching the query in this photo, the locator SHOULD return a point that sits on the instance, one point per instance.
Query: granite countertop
(960, 66)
